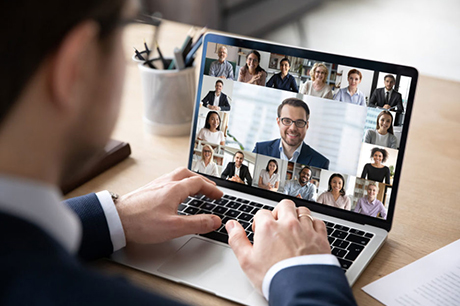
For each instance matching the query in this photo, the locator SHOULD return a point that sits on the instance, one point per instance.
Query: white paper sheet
(431, 280)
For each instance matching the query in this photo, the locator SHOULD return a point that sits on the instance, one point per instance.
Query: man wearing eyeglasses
(293, 116)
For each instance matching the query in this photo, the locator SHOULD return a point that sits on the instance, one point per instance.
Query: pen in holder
(169, 97)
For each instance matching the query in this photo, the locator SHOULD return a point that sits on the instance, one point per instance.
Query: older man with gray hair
(221, 68)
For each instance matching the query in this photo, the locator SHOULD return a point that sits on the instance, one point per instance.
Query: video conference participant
(383, 135)
(221, 68)
(317, 87)
(236, 171)
(369, 205)
(335, 195)
(301, 188)
(352, 94)
(283, 80)
(211, 131)
(251, 72)
(377, 171)
(206, 164)
(269, 177)
(293, 116)
(61, 88)
(216, 100)
(387, 97)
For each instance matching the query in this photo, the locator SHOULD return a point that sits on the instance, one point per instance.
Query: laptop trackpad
(211, 266)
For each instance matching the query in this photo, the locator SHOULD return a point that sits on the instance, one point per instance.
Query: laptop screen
(325, 130)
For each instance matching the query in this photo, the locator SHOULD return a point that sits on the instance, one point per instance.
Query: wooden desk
(428, 207)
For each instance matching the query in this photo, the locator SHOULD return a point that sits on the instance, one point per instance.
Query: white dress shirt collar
(294, 156)
(40, 204)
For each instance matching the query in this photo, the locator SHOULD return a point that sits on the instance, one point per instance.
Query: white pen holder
(169, 97)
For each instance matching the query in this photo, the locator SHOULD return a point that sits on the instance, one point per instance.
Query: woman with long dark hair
(335, 195)
(252, 73)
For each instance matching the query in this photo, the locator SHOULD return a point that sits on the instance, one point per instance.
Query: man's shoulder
(309, 151)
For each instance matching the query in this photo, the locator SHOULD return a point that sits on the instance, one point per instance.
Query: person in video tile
(206, 164)
(269, 177)
(283, 80)
(317, 86)
(211, 131)
(236, 171)
(221, 68)
(369, 205)
(383, 134)
(352, 94)
(252, 73)
(293, 115)
(216, 100)
(387, 97)
(335, 195)
(301, 188)
(377, 171)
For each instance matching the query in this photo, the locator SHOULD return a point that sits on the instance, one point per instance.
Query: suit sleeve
(96, 241)
(326, 164)
(225, 105)
(248, 177)
(206, 99)
(310, 285)
(226, 172)
(373, 99)
(399, 103)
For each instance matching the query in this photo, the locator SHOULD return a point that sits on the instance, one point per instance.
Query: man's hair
(32, 30)
(285, 60)
(240, 152)
(390, 76)
(296, 103)
(220, 81)
(303, 168)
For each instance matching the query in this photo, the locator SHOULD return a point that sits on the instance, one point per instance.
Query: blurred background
(420, 33)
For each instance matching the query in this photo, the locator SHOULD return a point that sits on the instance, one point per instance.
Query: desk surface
(427, 211)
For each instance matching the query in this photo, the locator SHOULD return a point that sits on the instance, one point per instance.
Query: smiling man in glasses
(293, 116)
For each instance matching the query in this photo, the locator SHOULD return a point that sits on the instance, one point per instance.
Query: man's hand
(214, 107)
(149, 214)
(278, 235)
(387, 106)
(236, 179)
(299, 196)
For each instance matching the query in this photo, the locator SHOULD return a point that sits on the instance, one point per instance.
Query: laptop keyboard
(346, 243)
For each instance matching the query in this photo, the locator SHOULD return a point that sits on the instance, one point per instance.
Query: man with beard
(293, 116)
(302, 188)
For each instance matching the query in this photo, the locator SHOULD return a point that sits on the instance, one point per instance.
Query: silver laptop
(356, 135)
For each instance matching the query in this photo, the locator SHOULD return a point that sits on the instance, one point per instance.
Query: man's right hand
(278, 235)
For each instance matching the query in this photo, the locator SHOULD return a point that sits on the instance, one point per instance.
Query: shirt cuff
(320, 259)
(117, 235)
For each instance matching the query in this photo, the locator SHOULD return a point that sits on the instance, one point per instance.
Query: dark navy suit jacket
(36, 270)
(308, 156)
(223, 101)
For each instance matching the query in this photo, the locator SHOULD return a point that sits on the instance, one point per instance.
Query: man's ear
(70, 60)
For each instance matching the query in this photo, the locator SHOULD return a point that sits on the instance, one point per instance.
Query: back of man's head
(32, 30)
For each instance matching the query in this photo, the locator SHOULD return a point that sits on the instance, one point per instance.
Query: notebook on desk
(345, 168)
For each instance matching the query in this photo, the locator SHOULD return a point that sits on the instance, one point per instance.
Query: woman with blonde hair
(317, 87)
(206, 165)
